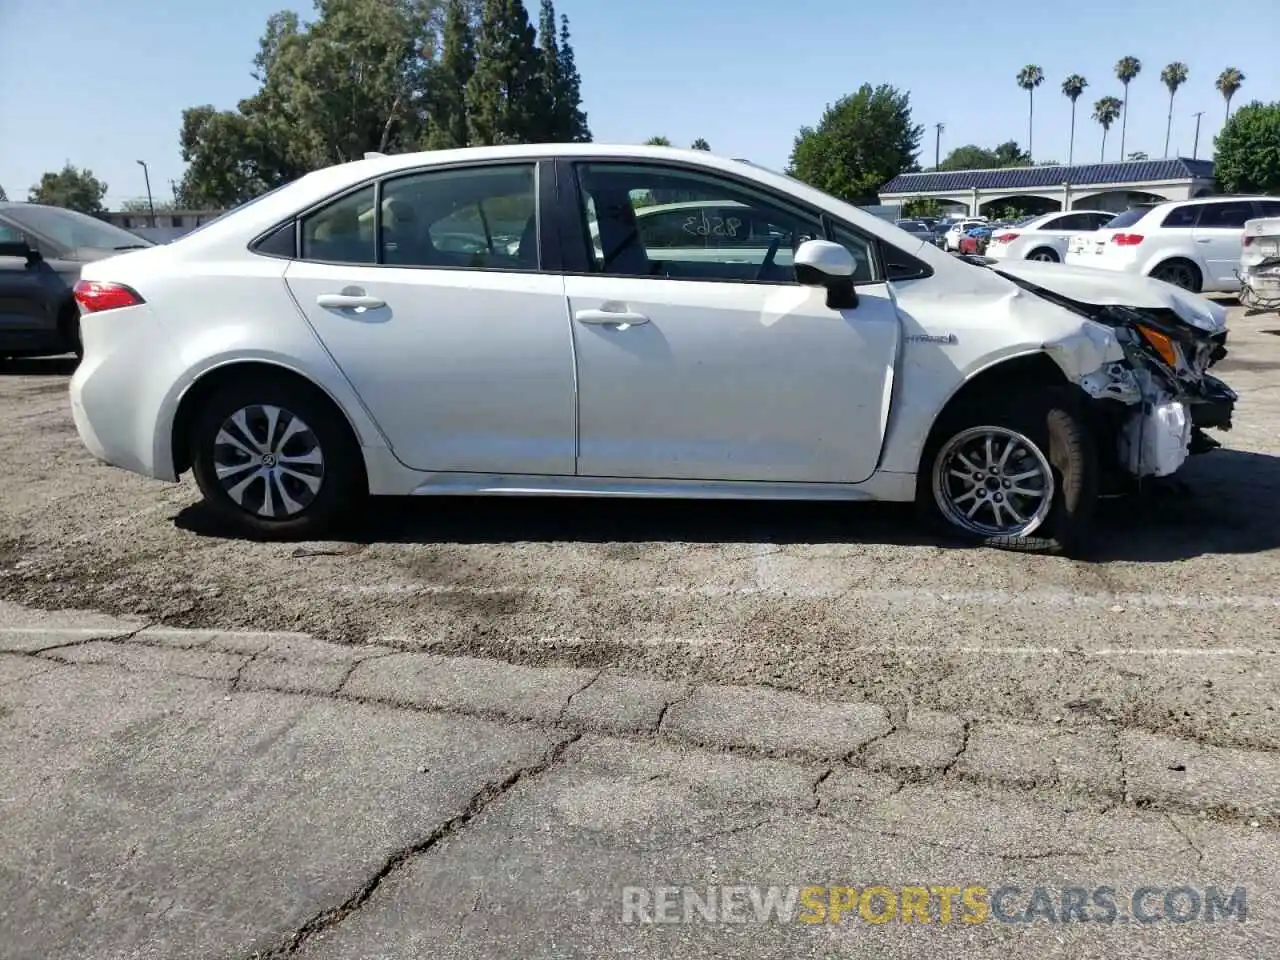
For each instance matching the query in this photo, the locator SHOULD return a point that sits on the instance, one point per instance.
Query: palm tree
(1173, 76)
(1127, 69)
(657, 142)
(1030, 77)
(1105, 112)
(1072, 87)
(700, 144)
(1229, 81)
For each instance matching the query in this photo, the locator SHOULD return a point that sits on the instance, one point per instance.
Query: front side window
(342, 232)
(1226, 215)
(477, 218)
(657, 221)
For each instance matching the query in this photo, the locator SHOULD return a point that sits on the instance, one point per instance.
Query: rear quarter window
(1177, 217)
(1129, 217)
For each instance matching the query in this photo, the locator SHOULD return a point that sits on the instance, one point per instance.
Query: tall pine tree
(557, 127)
(505, 99)
(457, 64)
(569, 95)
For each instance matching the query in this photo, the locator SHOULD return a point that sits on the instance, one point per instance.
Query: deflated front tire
(1015, 471)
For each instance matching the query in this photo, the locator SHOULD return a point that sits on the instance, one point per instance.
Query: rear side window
(342, 232)
(1268, 208)
(1226, 215)
(1177, 217)
(1074, 221)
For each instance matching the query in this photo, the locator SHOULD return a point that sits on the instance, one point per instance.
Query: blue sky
(103, 84)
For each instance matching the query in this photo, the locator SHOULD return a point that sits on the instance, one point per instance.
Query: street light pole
(150, 203)
(937, 145)
(1195, 149)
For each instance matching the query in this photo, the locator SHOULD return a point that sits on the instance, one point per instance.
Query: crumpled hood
(1107, 288)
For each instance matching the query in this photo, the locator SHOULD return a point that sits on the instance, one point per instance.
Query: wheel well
(218, 377)
(1028, 370)
(1190, 263)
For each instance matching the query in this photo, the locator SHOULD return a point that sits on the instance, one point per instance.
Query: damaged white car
(374, 328)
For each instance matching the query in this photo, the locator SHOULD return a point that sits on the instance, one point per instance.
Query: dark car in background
(42, 249)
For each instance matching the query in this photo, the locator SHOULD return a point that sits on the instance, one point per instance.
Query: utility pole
(150, 203)
(173, 188)
(1196, 148)
(937, 145)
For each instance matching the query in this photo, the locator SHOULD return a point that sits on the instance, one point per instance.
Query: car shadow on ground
(1223, 505)
(38, 366)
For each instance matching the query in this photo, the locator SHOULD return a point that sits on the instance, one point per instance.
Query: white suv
(1193, 244)
(1045, 237)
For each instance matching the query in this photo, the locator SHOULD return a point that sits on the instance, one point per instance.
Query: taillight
(1126, 239)
(1004, 238)
(95, 295)
(1245, 241)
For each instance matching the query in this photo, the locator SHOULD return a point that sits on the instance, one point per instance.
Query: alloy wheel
(1044, 256)
(993, 482)
(1179, 274)
(268, 461)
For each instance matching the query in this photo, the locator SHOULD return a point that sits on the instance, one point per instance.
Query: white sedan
(1044, 237)
(371, 328)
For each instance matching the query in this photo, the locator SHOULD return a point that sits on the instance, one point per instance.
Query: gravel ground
(1172, 626)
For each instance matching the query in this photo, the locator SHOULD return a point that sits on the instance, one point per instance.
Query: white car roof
(232, 231)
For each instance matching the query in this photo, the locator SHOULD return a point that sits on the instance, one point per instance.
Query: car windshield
(73, 230)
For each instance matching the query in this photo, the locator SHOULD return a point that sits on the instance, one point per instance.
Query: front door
(452, 336)
(699, 356)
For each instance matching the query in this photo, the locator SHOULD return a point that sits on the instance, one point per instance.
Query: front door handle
(349, 301)
(1204, 240)
(619, 317)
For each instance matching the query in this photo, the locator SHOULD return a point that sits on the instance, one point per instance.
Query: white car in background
(1044, 237)
(764, 341)
(951, 239)
(1193, 244)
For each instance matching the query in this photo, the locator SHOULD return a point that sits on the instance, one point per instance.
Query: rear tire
(1180, 273)
(1045, 432)
(1045, 255)
(275, 459)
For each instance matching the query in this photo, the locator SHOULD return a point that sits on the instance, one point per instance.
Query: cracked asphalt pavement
(476, 728)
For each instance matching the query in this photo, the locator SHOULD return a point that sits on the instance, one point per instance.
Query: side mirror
(821, 263)
(19, 248)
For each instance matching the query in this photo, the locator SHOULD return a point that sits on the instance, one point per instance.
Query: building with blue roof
(1091, 186)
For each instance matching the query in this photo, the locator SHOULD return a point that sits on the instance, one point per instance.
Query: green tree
(1030, 77)
(972, 157)
(141, 205)
(862, 141)
(506, 101)
(72, 188)
(354, 80)
(457, 64)
(657, 142)
(566, 121)
(921, 207)
(1172, 76)
(1248, 150)
(571, 95)
(700, 144)
(1127, 70)
(1229, 82)
(1072, 88)
(1105, 111)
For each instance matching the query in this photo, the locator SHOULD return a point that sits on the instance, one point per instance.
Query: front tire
(274, 459)
(1016, 471)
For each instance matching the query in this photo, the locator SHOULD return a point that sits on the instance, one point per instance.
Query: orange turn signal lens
(1164, 346)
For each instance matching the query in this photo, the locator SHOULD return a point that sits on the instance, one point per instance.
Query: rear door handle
(349, 301)
(1204, 240)
(621, 318)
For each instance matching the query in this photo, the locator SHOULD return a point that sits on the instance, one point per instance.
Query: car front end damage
(1150, 410)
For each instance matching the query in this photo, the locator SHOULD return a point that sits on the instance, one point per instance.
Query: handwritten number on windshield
(704, 226)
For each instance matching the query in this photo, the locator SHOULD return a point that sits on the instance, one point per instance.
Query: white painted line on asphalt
(106, 633)
(909, 595)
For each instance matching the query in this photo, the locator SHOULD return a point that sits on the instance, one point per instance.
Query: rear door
(1217, 235)
(451, 326)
